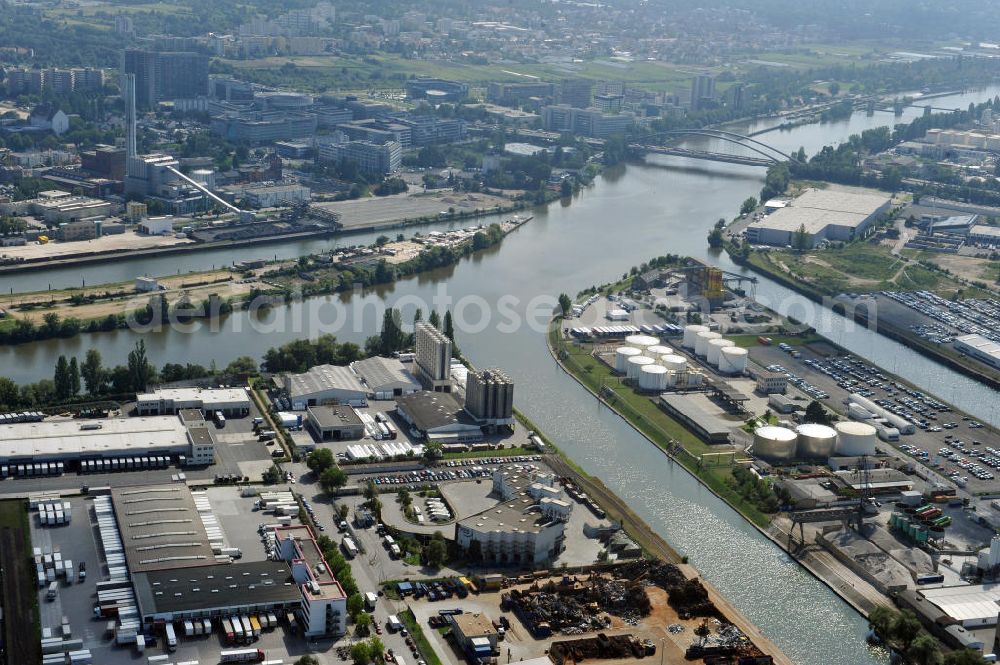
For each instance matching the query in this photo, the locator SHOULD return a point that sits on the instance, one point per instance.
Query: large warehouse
(74, 440)
(231, 401)
(824, 214)
(982, 349)
(386, 377)
(325, 384)
(438, 416)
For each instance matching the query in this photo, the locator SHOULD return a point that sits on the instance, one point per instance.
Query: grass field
(20, 601)
(417, 632)
(641, 411)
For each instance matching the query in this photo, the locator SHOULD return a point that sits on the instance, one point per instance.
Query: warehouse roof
(334, 416)
(377, 372)
(215, 586)
(204, 395)
(473, 625)
(984, 230)
(69, 438)
(818, 208)
(433, 410)
(322, 378)
(161, 528)
(967, 602)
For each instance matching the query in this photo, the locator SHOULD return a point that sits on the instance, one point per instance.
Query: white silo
(636, 363)
(733, 360)
(816, 441)
(701, 342)
(691, 335)
(653, 377)
(622, 354)
(658, 350)
(674, 362)
(204, 177)
(774, 443)
(854, 438)
(714, 347)
(642, 341)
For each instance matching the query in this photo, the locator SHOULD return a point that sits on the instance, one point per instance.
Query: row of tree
(902, 631)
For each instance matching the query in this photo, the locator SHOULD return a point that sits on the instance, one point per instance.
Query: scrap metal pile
(688, 597)
(727, 641)
(602, 647)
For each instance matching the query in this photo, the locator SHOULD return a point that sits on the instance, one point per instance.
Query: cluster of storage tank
(717, 351)
(813, 441)
(652, 366)
(888, 425)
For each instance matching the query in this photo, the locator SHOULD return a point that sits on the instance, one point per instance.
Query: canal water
(666, 205)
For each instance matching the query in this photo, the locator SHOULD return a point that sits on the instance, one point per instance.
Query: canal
(665, 205)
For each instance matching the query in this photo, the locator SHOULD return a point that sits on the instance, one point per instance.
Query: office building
(379, 131)
(230, 401)
(489, 397)
(517, 94)
(264, 127)
(372, 158)
(702, 91)
(576, 93)
(608, 103)
(590, 122)
(163, 76)
(433, 357)
(104, 161)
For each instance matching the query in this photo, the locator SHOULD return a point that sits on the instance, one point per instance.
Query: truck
(171, 637)
(247, 628)
(255, 626)
(53, 591)
(220, 420)
(393, 623)
(371, 598)
(395, 551)
(241, 656)
(83, 571)
(227, 630)
(350, 549)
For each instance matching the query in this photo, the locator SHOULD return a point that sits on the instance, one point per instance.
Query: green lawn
(417, 633)
(503, 452)
(747, 341)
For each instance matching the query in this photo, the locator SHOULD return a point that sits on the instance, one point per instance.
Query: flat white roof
(207, 395)
(966, 603)
(981, 344)
(984, 230)
(817, 209)
(68, 438)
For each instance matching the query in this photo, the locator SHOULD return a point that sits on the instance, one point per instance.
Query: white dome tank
(733, 360)
(674, 362)
(653, 377)
(635, 363)
(622, 354)
(816, 441)
(691, 335)
(774, 443)
(642, 341)
(854, 438)
(658, 350)
(701, 342)
(714, 347)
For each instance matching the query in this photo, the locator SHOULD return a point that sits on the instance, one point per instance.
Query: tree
(800, 239)
(355, 605)
(815, 413)
(363, 625)
(964, 657)
(74, 377)
(360, 655)
(905, 628)
(715, 239)
(243, 366)
(435, 319)
(565, 303)
(449, 326)
(272, 476)
(9, 395)
(61, 378)
(834, 89)
(924, 651)
(566, 188)
(333, 479)
(307, 660)
(749, 205)
(392, 337)
(880, 619)
(139, 369)
(436, 552)
(320, 460)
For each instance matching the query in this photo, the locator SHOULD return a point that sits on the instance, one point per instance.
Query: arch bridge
(765, 155)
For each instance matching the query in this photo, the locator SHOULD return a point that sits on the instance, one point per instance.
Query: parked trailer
(241, 656)
(171, 637)
(227, 630)
(247, 628)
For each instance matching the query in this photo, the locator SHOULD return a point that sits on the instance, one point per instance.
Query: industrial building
(335, 423)
(325, 384)
(474, 634)
(978, 347)
(438, 417)
(699, 414)
(982, 234)
(433, 357)
(522, 530)
(230, 401)
(385, 378)
(489, 397)
(823, 215)
(71, 441)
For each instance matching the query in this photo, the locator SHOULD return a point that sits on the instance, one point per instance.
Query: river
(665, 205)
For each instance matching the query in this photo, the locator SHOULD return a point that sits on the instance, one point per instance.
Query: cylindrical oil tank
(854, 438)
(733, 360)
(714, 347)
(702, 340)
(658, 350)
(642, 341)
(636, 363)
(774, 443)
(653, 377)
(691, 335)
(816, 441)
(622, 354)
(674, 362)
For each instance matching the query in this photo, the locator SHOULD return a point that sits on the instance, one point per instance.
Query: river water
(630, 214)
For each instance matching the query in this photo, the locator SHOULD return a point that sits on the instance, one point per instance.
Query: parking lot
(953, 444)
(979, 316)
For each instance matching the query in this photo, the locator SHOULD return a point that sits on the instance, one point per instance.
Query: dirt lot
(124, 241)
(387, 209)
(19, 604)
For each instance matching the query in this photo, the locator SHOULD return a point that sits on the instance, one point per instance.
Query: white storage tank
(691, 335)
(673, 362)
(622, 354)
(701, 342)
(714, 347)
(732, 360)
(658, 350)
(854, 438)
(816, 441)
(642, 341)
(635, 364)
(774, 443)
(653, 377)
(693, 379)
